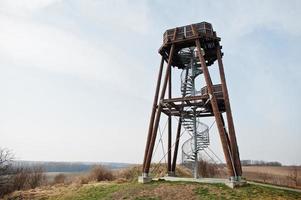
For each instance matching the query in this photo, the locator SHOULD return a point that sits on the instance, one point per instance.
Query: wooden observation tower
(192, 49)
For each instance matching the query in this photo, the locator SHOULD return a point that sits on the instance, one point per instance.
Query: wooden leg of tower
(154, 108)
(158, 114)
(227, 136)
(228, 145)
(175, 154)
(216, 112)
(169, 129)
(233, 141)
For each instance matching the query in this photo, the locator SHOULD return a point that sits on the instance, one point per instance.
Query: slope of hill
(154, 191)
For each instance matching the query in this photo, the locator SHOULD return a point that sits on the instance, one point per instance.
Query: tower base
(235, 182)
(228, 182)
(145, 178)
(171, 174)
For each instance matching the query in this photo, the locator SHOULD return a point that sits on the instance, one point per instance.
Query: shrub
(28, 178)
(83, 180)
(100, 173)
(36, 177)
(20, 178)
(129, 174)
(17, 178)
(60, 179)
(208, 169)
(156, 170)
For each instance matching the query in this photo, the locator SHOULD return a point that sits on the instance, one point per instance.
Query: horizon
(108, 162)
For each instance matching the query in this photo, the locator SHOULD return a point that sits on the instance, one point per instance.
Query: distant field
(274, 175)
(282, 170)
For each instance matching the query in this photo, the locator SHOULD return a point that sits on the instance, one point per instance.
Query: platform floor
(199, 180)
(231, 184)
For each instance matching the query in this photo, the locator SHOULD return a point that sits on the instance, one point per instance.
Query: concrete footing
(171, 174)
(235, 183)
(144, 179)
(229, 182)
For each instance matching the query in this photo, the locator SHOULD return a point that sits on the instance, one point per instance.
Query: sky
(77, 77)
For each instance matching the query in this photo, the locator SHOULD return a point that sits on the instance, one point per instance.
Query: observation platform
(184, 38)
(179, 106)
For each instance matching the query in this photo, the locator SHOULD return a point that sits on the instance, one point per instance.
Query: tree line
(260, 163)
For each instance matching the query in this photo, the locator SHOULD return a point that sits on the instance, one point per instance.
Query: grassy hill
(122, 184)
(152, 191)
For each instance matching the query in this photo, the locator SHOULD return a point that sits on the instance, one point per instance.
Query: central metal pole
(196, 161)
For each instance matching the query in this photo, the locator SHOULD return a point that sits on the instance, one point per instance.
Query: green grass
(146, 198)
(220, 191)
(90, 192)
(165, 190)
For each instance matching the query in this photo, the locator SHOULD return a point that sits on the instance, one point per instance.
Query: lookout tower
(192, 49)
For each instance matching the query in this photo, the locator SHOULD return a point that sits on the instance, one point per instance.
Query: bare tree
(26, 178)
(20, 178)
(36, 177)
(17, 178)
(6, 158)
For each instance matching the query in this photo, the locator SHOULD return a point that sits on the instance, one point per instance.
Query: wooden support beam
(216, 112)
(158, 114)
(154, 108)
(232, 135)
(169, 126)
(175, 153)
(189, 98)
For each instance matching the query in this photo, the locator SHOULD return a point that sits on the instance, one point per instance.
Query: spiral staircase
(198, 131)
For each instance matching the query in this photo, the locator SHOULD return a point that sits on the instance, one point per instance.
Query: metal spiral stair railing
(190, 147)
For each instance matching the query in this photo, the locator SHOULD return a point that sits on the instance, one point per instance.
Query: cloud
(27, 42)
(274, 15)
(35, 45)
(23, 7)
(126, 14)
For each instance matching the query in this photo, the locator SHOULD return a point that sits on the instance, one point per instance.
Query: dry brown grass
(274, 175)
(208, 170)
(44, 192)
(96, 174)
(156, 170)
